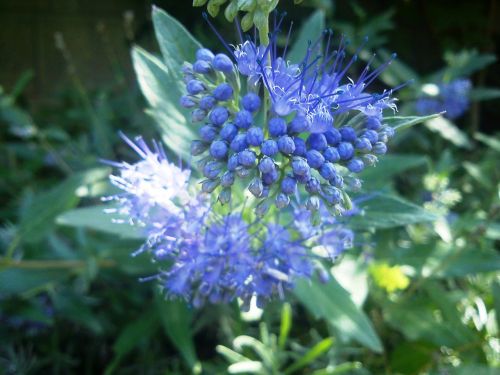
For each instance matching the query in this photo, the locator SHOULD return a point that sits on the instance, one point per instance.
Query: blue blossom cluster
(321, 129)
(452, 97)
(211, 257)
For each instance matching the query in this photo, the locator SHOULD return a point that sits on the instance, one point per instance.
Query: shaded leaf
(331, 302)
(311, 30)
(387, 211)
(96, 218)
(403, 122)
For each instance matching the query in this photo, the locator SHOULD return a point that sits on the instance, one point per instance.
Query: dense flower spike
(452, 97)
(320, 128)
(208, 257)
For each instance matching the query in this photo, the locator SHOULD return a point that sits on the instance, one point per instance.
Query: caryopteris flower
(320, 130)
(206, 256)
(452, 97)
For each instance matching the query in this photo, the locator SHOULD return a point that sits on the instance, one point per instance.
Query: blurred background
(69, 297)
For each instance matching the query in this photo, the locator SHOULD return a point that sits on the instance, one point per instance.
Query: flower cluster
(452, 97)
(321, 129)
(214, 257)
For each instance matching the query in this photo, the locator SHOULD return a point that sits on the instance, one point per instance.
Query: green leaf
(286, 324)
(162, 90)
(484, 93)
(449, 131)
(96, 218)
(390, 166)
(411, 357)
(490, 141)
(404, 122)
(176, 321)
(310, 31)
(388, 211)
(17, 280)
(132, 335)
(176, 43)
(418, 320)
(317, 350)
(398, 72)
(38, 219)
(331, 302)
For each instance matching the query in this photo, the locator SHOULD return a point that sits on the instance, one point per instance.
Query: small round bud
(271, 177)
(247, 158)
(269, 147)
(346, 151)
(251, 102)
(266, 165)
(299, 166)
(223, 92)
(333, 137)
(212, 169)
(369, 159)
(218, 150)
(363, 144)
(198, 147)
(228, 132)
(379, 148)
(337, 181)
(256, 187)
(194, 87)
(317, 141)
(332, 194)
(348, 134)
(208, 133)
(209, 186)
(207, 102)
(313, 203)
(255, 136)
(282, 200)
(289, 185)
(187, 102)
(225, 196)
(331, 154)
(232, 163)
(313, 186)
(198, 115)
(243, 119)
(327, 171)
(202, 67)
(262, 208)
(277, 127)
(227, 179)
(355, 165)
(371, 135)
(299, 124)
(300, 146)
(239, 143)
(218, 116)
(286, 145)
(373, 123)
(314, 158)
(204, 54)
(223, 63)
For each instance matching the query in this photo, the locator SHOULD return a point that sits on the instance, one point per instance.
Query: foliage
(430, 219)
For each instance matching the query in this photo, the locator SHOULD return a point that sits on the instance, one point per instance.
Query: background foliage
(418, 294)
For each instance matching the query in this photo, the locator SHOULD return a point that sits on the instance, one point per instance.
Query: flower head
(322, 127)
(452, 97)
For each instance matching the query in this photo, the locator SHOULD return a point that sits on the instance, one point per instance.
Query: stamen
(205, 16)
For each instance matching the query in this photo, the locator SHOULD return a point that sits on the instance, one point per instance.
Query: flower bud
(313, 203)
(225, 196)
(231, 11)
(247, 22)
(282, 200)
(209, 186)
(256, 187)
(198, 147)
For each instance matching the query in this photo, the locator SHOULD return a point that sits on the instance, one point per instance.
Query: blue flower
(452, 97)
